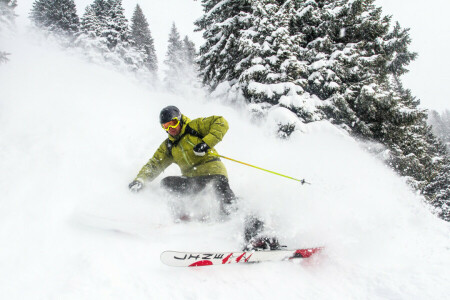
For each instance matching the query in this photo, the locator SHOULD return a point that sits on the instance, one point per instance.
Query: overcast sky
(429, 77)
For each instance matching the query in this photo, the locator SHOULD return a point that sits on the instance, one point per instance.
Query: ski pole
(302, 181)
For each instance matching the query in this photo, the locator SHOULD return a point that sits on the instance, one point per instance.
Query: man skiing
(190, 144)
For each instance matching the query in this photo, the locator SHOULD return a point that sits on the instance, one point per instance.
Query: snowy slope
(73, 135)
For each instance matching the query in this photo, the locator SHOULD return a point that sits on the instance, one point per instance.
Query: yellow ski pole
(302, 181)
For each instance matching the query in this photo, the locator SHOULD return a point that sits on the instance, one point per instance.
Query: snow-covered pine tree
(353, 62)
(7, 14)
(142, 37)
(190, 66)
(396, 44)
(271, 72)
(57, 16)
(3, 57)
(355, 65)
(94, 19)
(93, 23)
(116, 30)
(413, 150)
(222, 22)
(440, 125)
(7, 17)
(438, 190)
(181, 65)
(104, 29)
(343, 48)
(189, 52)
(251, 55)
(416, 151)
(258, 48)
(312, 23)
(174, 59)
(106, 19)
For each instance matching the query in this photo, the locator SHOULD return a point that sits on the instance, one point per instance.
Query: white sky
(429, 77)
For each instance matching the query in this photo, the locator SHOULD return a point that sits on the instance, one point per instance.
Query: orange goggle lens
(171, 124)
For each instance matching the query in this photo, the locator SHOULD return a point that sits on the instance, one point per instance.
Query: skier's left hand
(201, 149)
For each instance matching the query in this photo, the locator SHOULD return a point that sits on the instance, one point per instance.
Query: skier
(190, 144)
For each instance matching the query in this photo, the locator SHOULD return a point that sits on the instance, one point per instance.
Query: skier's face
(174, 131)
(173, 127)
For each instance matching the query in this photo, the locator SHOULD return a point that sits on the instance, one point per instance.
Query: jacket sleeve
(213, 129)
(156, 165)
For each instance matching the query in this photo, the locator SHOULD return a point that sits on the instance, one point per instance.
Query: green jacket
(212, 129)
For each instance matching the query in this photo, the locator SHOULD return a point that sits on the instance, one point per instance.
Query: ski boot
(229, 207)
(263, 243)
(254, 241)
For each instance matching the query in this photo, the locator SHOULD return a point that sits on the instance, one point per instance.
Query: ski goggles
(171, 124)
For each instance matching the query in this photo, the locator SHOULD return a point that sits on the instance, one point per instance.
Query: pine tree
(222, 22)
(251, 54)
(58, 16)
(181, 62)
(142, 38)
(342, 52)
(355, 66)
(346, 59)
(174, 58)
(95, 19)
(311, 24)
(272, 72)
(396, 44)
(116, 31)
(414, 150)
(104, 29)
(189, 68)
(7, 17)
(3, 57)
(91, 23)
(440, 124)
(258, 47)
(438, 190)
(7, 14)
(189, 61)
(189, 52)
(105, 19)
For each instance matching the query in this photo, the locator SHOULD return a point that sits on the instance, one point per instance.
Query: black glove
(201, 149)
(135, 186)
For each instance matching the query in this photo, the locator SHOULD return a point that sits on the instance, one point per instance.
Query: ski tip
(305, 253)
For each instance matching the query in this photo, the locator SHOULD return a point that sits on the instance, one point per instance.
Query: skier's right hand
(135, 186)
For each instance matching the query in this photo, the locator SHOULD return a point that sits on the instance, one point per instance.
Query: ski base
(200, 259)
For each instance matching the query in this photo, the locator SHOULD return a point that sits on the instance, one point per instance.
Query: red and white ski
(199, 259)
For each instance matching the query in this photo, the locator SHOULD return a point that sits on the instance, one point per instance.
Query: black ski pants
(180, 185)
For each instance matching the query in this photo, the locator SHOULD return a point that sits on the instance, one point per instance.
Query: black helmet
(169, 113)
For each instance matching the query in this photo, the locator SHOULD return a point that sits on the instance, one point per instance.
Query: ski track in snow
(73, 135)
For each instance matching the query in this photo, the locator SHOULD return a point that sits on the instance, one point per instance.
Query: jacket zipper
(184, 155)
